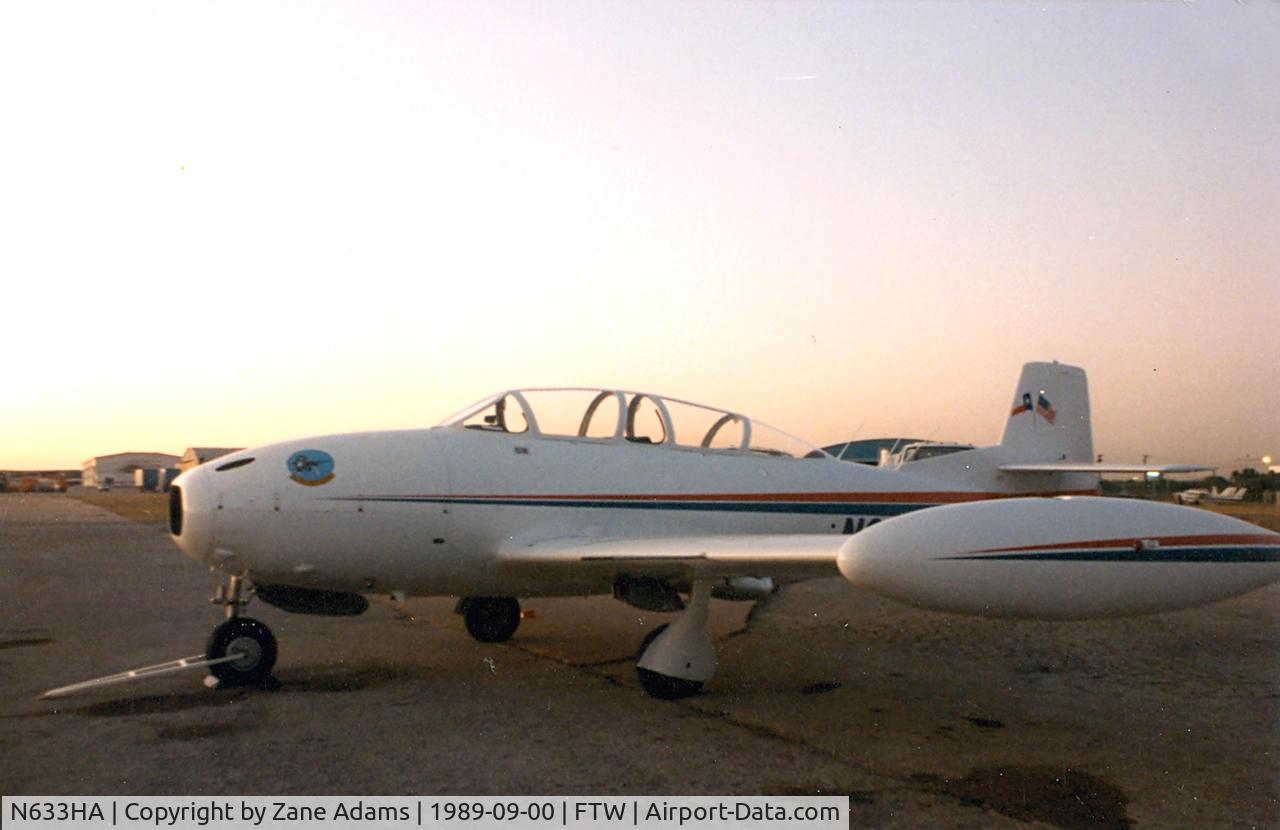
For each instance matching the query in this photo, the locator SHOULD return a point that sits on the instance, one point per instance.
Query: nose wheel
(248, 640)
(255, 644)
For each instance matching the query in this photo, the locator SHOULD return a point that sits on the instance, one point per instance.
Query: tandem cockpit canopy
(633, 417)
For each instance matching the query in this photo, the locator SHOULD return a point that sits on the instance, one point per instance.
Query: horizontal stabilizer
(1088, 467)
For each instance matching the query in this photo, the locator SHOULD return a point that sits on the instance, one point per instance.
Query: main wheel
(663, 686)
(253, 641)
(492, 619)
(649, 638)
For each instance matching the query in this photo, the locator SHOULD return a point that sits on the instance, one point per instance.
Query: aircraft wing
(1088, 467)
(784, 556)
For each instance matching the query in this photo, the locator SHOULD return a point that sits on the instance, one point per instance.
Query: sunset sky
(227, 224)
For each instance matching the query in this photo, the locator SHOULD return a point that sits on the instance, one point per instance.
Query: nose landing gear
(244, 636)
(241, 652)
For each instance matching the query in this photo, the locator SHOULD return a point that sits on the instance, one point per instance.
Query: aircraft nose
(191, 511)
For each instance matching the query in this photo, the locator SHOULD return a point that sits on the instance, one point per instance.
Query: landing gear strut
(676, 659)
(247, 637)
(490, 619)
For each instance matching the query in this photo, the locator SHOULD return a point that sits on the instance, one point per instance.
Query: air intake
(175, 511)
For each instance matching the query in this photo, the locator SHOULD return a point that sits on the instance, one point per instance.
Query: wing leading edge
(783, 556)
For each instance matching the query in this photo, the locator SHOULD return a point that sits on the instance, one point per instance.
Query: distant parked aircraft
(1197, 495)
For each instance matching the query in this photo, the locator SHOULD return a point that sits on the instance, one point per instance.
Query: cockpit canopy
(634, 417)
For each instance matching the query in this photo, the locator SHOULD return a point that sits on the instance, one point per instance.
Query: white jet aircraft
(533, 493)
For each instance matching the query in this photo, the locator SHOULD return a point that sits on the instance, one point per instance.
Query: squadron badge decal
(311, 467)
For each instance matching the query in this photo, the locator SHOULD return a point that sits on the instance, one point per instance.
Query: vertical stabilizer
(1049, 415)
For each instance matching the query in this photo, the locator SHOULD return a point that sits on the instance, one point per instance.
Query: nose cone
(191, 510)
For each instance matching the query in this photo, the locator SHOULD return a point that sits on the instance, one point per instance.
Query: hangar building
(195, 456)
(121, 466)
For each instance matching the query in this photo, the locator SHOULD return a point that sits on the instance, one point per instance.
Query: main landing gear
(246, 637)
(490, 619)
(676, 659)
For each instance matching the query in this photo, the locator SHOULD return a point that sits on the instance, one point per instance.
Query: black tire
(663, 686)
(250, 637)
(492, 619)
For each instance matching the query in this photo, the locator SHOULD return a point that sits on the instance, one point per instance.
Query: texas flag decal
(1025, 406)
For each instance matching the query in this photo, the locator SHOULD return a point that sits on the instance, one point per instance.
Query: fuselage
(593, 491)
(425, 512)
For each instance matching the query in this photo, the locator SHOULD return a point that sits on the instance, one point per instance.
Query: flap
(781, 556)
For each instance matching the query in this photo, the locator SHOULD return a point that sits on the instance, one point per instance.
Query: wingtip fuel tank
(1061, 558)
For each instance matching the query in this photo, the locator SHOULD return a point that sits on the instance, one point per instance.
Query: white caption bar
(437, 813)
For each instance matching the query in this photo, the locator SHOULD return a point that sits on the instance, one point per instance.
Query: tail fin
(1049, 417)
